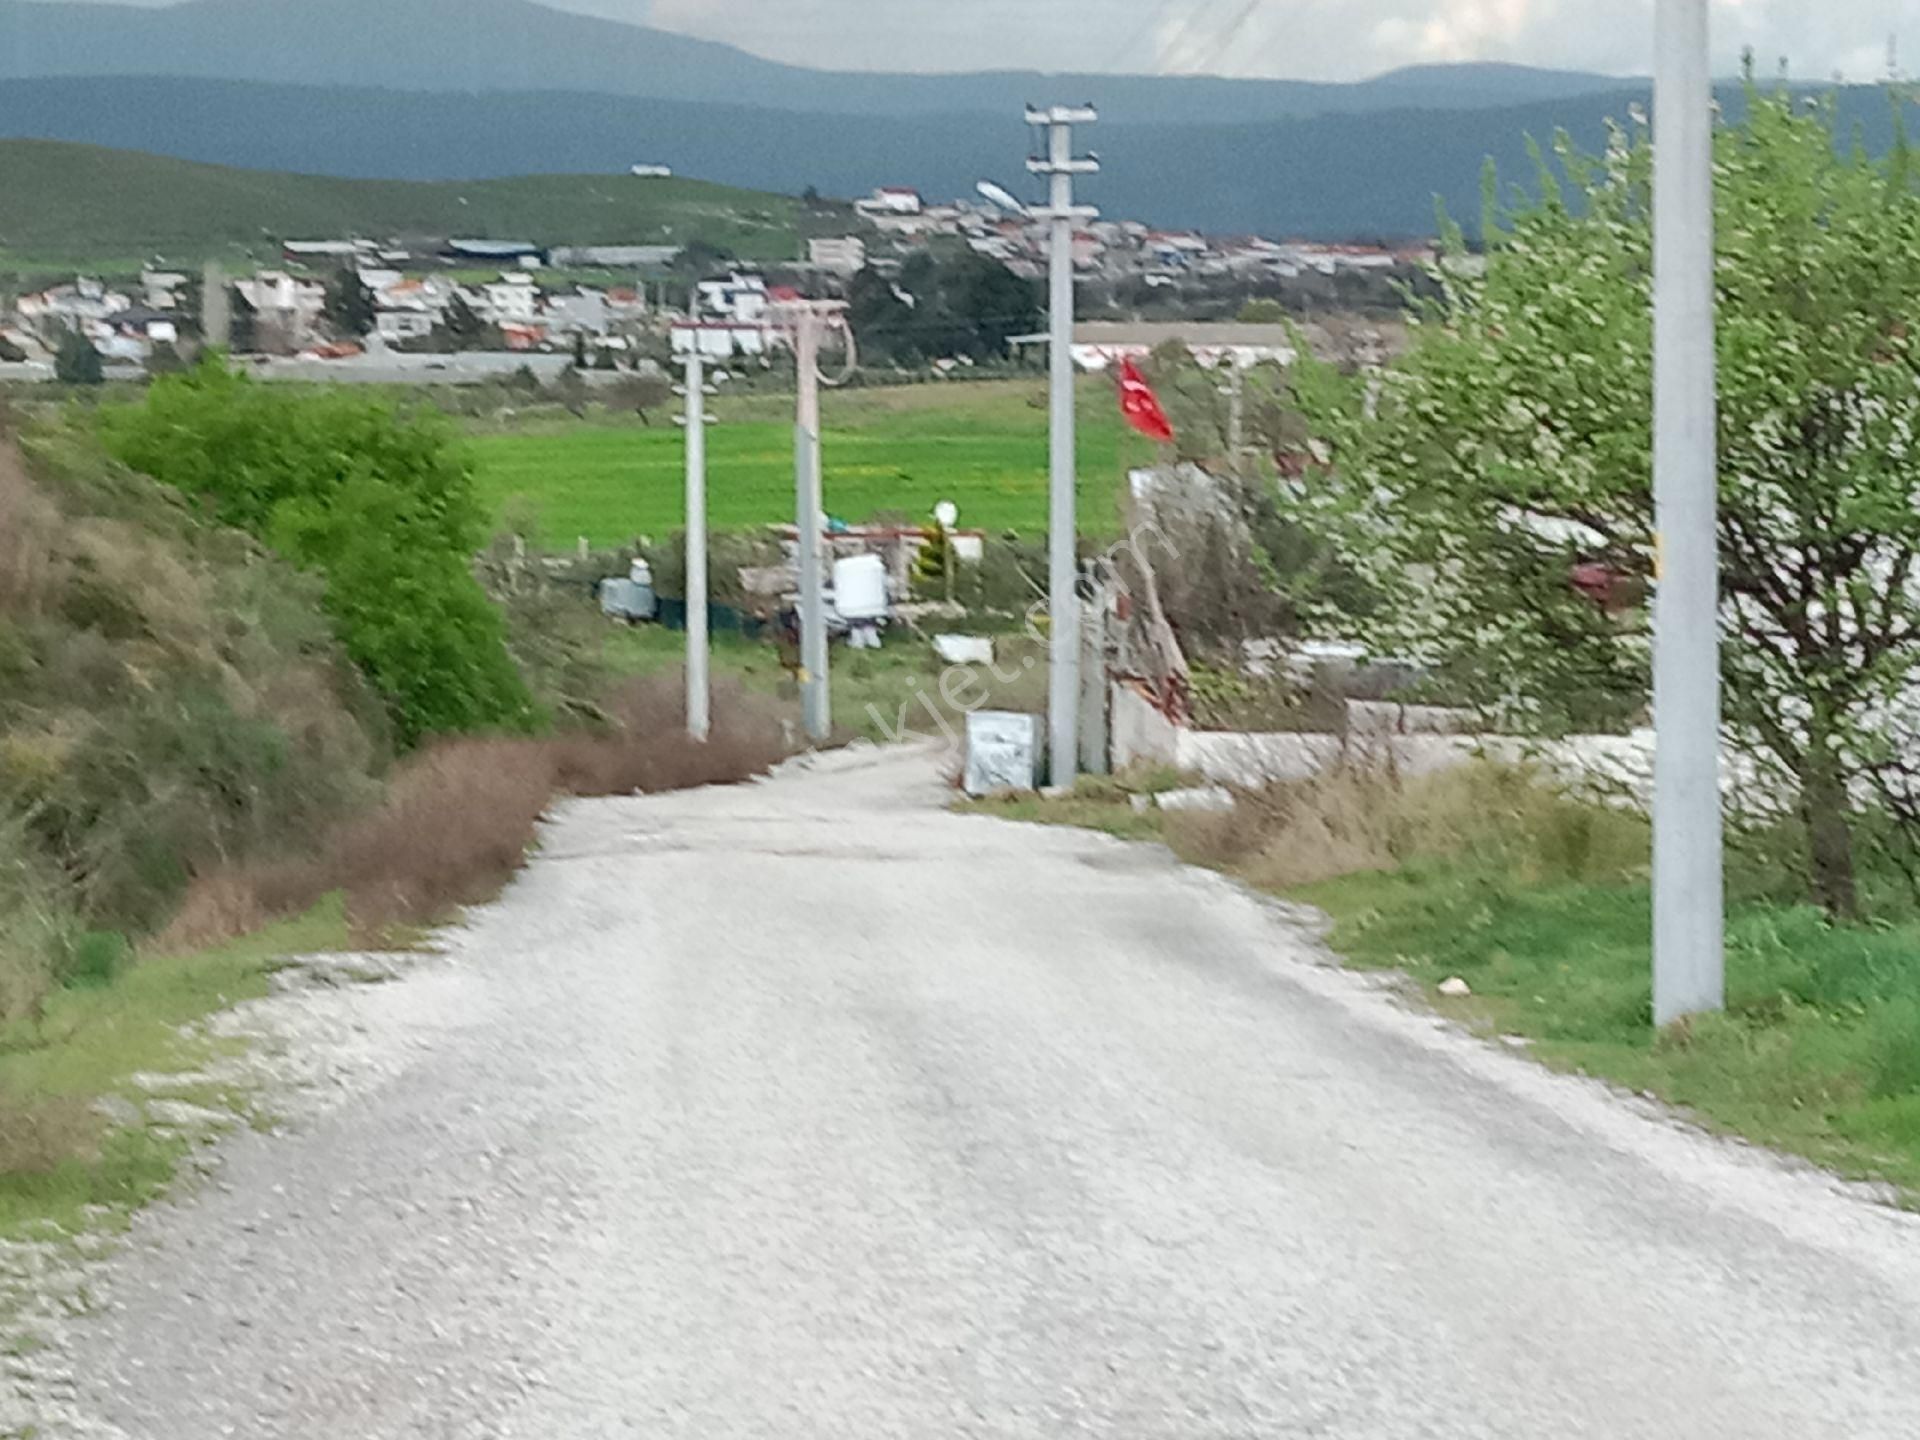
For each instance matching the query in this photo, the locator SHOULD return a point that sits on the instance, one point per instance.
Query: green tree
(882, 320)
(1263, 310)
(350, 307)
(943, 305)
(464, 328)
(76, 362)
(1512, 445)
(244, 330)
(381, 504)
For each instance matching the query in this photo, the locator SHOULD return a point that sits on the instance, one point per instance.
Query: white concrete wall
(1615, 764)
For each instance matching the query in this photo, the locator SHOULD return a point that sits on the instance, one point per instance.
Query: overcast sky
(1316, 39)
(1305, 39)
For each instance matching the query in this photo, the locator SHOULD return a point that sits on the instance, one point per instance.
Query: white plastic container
(860, 587)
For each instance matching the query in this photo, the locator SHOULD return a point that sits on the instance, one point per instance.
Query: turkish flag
(1141, 406)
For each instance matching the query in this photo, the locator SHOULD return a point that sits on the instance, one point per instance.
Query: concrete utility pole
(1689, 966)
(1060, 165)
(1236, 392)
(699, 657)
(808, 322)
(216, 308)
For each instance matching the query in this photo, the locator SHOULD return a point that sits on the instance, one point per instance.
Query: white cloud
(1308, 39)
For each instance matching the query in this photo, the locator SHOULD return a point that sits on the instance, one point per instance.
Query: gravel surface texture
(808, 1111)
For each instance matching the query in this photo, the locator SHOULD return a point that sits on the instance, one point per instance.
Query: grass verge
(62, 1164)
(1541, 903)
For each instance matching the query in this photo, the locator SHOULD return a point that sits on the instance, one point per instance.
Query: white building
(719, 339)
(513, 299)
(740, 298)
(86, 302)
(890, 200)
(585, 312)
(653, 172)
(286, 309)
(839, 255)
(160, 289)
(1100, 344)
(618, 257)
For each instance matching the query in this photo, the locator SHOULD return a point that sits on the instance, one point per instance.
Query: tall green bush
(379, 503)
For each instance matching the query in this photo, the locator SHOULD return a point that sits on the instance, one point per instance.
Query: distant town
(338, 298)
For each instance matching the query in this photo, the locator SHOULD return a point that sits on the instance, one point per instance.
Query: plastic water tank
(860, 587)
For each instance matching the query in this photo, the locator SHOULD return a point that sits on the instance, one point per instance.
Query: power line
(1177, 43)
(1229, 37)
(1154, 21)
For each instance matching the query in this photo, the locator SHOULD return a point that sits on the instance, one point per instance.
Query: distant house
(585, 312)
(513, 299)
(160, 289)
(150, 327)
(719, 339)
(408, 309)
(838, 255)
(1099, 344)
(617, 257)
(518, 253)
(286, 309)
(739, 297)
(891, 200)
(86, 302)
(653, 172)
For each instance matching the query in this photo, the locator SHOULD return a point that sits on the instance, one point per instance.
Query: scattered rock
(1455, 988)
(964, 649)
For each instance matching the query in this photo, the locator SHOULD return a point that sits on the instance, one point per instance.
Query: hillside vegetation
(1326, 176)
(170, 695)
(196, 779)
(63, 201)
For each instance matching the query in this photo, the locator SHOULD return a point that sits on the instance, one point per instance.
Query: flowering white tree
(1509, 460)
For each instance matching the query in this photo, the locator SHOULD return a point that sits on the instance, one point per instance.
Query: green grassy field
(63, 204)
(981, 445)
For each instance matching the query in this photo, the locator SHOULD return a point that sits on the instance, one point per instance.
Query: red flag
(1141, 406)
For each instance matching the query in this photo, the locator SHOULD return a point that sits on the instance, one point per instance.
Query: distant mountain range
(450, 45)
(1328, 177)
(461, 89)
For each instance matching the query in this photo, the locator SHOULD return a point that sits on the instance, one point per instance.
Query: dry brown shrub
(458, 818)
(455, 825)
(30, 561)
(237, 900)
(1360, 815)
(649, 750)
(40, 1135)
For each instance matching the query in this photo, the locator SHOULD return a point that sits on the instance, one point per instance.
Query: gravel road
(806, 1110)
